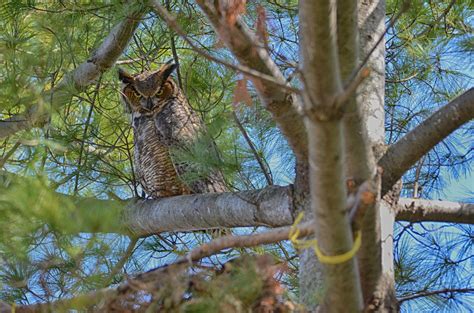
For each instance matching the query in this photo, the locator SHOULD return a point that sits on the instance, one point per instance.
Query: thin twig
(268, 176)
(392, 22)
(171, 21)
(86, 128)
(9, 154)
(434, 292)
(432, 25)
(352, 87)
(175, 54)
(126, 255)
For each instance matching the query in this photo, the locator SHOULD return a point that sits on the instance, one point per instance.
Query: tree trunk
(376, 254)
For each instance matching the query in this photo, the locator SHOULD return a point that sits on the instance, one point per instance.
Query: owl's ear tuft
(167, 69)
(124, 76)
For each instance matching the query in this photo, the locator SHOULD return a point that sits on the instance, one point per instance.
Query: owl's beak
(149, 104)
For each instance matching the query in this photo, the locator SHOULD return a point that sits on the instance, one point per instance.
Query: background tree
(267, 95)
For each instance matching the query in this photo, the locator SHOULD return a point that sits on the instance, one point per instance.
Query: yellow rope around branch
(327, 259)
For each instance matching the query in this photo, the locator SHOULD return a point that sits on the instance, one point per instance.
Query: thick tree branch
(414, 145)
(404, 211)
(271, 206)
(101, 60)
(358, 156)
(245, 46)
(141, 281)
(420, 210)
(364, 130)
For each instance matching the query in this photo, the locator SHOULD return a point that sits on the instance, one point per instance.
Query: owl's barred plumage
(163, 122)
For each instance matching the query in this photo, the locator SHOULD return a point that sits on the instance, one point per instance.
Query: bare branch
(205, 250)
(226, 242)
(350, 89)
(101, 60)
(420, 210)
(393, 20)
(414, 145)
(271, 206)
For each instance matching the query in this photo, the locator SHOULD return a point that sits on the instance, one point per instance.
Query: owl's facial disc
(152, 103)
(147, 91)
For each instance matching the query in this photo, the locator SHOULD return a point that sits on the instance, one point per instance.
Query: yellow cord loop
(327, 259)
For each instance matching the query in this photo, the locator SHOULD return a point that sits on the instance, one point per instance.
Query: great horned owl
(163, 122)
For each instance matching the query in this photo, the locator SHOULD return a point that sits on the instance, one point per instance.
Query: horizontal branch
(271, 206)
(103, 58)
(245, 241)
(153, 279)
(407, 151)
(420, 210)
(201, 208)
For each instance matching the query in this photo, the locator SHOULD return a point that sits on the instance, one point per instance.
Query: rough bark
(101, 60)
(414, 145)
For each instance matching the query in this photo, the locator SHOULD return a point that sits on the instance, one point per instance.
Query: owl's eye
(160, 92)
(135, 93)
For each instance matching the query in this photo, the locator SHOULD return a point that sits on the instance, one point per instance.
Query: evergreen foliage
(85, 149)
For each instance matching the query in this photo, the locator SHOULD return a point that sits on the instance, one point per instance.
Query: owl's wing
(178, 127)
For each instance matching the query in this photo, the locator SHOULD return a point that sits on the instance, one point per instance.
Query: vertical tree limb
(322, 82)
